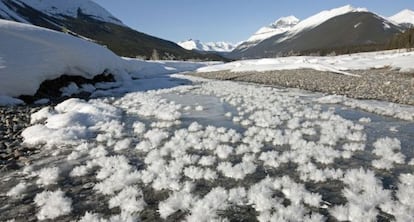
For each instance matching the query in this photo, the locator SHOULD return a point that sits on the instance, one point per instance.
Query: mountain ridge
(320, 32)
(86, 19)
(404, 17)
(207, 46)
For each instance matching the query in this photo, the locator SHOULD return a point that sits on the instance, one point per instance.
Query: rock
(8, 144)
(5, 156)
(17, 154)
(12, 121)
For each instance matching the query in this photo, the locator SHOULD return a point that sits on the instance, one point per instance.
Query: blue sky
(226, 20)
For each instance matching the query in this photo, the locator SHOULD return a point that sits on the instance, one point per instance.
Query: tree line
(403, 40)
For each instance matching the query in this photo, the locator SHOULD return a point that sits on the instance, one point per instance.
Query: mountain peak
(323, 16)
(285, 21)
(281, 25)
(405, 16)
(192, 44)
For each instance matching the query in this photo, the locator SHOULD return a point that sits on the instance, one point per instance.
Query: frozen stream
(213, 151)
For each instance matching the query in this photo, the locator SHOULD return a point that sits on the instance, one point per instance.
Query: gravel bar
(379, 84)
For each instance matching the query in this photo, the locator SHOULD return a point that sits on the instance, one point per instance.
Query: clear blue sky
(226, 20)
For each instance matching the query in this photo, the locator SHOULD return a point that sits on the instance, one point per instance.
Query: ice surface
(399, 111)
(297, 159)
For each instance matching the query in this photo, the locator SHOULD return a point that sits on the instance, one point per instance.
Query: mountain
(281, 25)
(405, 18)
(207, 46)
(88, 20)
(61, 9)
(328, 30)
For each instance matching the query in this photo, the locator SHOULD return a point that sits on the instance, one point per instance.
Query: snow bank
(72, 121)
(30, 55)
(343, 64)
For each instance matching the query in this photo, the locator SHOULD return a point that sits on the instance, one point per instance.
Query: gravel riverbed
(13, 120)
(379, 84)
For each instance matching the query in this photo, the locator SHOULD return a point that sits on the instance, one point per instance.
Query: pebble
(13, 121)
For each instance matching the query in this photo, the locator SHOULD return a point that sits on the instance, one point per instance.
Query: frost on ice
(142, 153)
(52, 204)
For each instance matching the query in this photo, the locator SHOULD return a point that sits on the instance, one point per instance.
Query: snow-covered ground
(211, 151)
(343, 64)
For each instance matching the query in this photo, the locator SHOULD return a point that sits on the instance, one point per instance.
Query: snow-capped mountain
(405, 17)
(280, 26)
(322, 17)
(61, 9)
(88, 20)
(207, 46)
(358, 27)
